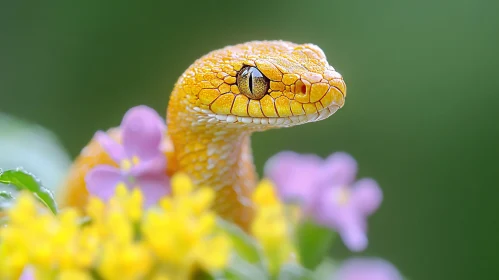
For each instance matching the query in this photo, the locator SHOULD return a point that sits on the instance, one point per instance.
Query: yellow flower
(74, 275)
(214, 253)
(124, 261)
(131, 203)
(264, 195)
(34, 236)
(182, 232)
(121, 255)
(271, 227)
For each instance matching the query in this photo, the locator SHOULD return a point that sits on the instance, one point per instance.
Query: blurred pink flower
(141, 161)
(327, 191)
(367, 269)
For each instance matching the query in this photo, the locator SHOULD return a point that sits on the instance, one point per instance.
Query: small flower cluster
(118, 240)
(326, 191)
(182, 234)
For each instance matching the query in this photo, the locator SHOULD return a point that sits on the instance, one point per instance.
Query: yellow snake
(215, 106)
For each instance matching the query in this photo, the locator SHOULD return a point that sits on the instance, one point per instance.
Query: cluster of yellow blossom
(182, 234)
(36, 237)
(120, 240)
(271, 226)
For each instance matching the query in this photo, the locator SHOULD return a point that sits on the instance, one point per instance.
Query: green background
(420, 116)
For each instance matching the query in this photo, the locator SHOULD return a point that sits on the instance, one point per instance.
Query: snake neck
(220, 159)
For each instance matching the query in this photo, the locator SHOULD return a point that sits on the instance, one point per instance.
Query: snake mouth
(212, 118)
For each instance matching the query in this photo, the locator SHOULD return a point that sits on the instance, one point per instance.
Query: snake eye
(252, 82)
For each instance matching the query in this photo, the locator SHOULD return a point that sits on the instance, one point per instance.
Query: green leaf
(244, 245)
(294, 272)
(314, 241)
(202, 275)
(22, 180)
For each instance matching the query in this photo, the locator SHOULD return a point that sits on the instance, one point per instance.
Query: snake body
(215, 106)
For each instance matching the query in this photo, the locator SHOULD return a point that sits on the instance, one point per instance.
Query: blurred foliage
(33, 148)
(421, 113)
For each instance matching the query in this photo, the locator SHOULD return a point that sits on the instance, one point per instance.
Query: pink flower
(367, 269)
(327, 191)
(141, 161)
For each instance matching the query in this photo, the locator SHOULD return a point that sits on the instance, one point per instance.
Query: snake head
(260, 85)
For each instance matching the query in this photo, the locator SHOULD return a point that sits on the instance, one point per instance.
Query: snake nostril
(300, 87)
(303, 89)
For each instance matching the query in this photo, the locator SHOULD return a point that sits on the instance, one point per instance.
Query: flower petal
(331, 212)
(354, 237)
(112, 148)
(293, 174)
(156, 165)
(367, 195)
(339, 169)
(101, 181)
(336, 210)
(143, 131)
(153, 187)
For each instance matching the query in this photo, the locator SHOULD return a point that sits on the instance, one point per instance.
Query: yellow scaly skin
(210, 121)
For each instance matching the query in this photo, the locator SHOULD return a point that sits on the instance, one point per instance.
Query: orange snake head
(259, 85)
(216, 104)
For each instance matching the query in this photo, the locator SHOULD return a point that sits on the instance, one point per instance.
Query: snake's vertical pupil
(252, 82)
